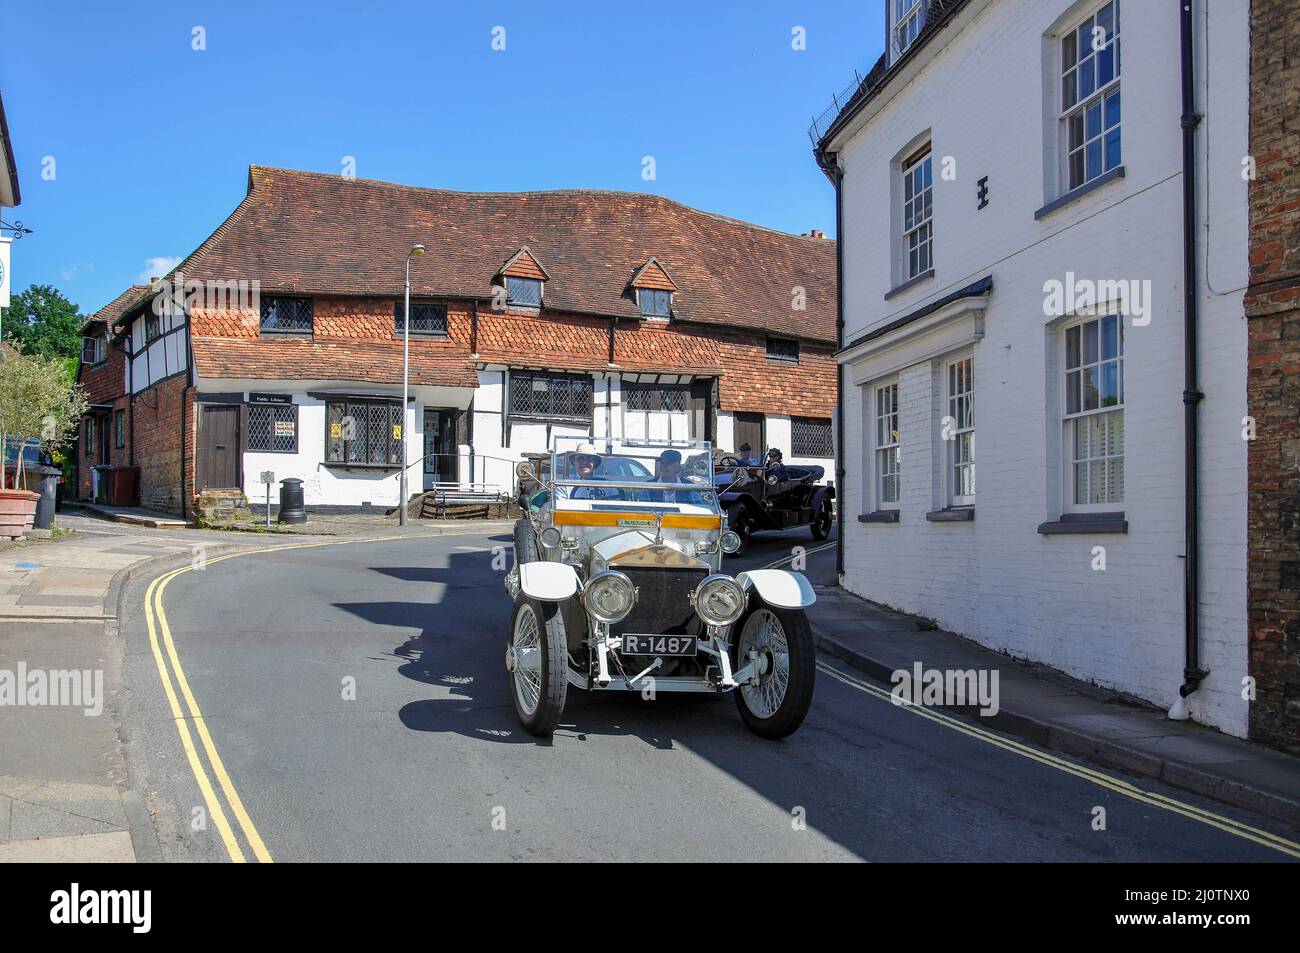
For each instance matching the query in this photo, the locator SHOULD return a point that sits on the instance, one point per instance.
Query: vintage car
(767, 497)
(617, 586)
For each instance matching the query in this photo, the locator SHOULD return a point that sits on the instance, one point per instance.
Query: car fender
(548, 581)
(821, 493)
(779, 587)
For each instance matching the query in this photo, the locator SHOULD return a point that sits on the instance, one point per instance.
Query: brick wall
(158, 452)
(1273, 378)
(749, 381)
(117, 456)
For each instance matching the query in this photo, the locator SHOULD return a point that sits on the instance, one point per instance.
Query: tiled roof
(308, 359)
(115, 308)
(314, 233)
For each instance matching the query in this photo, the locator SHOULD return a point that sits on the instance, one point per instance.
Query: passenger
(775, 468)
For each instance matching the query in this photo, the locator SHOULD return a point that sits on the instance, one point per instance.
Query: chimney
(817, 234)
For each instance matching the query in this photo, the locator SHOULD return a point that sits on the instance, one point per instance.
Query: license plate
(658, 645)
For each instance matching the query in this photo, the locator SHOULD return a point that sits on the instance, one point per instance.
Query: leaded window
(654, 302)
(524, 292)
(550, 396)
(811, 437)
(426, 318)
(273, 428)
(783, 350)
(286, 314)
(363, 432)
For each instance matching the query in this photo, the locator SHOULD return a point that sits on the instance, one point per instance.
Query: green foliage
(43, 322)
(38, 399)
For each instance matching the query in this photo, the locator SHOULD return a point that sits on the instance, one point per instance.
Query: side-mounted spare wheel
(536, 657)
(787, 667)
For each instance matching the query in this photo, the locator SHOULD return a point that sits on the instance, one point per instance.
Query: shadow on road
(460, 652)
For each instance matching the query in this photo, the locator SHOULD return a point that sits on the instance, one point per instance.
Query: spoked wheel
(536, 659)
(742, 524)
(821, 522)
(782, 642)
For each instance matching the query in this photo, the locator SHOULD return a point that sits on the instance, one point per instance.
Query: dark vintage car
(757, 498)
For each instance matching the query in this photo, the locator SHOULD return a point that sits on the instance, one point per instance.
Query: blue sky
(151, 139)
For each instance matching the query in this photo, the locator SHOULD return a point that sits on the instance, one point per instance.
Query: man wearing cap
(745, 453)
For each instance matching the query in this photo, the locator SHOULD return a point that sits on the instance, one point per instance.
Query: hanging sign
(4, 272)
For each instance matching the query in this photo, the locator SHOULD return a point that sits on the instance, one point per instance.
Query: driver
(668, 469)
(584, 462)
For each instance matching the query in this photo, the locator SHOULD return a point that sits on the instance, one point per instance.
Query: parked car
(617, 586)
(757, 498)
(33, 454)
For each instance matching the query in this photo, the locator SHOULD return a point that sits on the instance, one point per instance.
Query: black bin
(291, 508)
(45, 481)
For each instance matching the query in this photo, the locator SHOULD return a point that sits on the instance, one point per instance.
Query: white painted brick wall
(996, 579)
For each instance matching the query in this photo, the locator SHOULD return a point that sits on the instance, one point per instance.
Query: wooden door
(217, 467)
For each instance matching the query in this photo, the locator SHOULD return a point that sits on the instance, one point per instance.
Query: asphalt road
(428, 762)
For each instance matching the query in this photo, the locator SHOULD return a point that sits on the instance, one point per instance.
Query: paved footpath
(66, 793)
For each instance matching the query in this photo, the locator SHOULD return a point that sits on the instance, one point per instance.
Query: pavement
(1064, 714)
(66, 789)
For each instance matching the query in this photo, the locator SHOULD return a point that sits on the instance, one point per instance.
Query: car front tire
(788, 666)
(537, 658)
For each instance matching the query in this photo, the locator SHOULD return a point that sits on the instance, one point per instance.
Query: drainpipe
(1193, 674)
(830, 165)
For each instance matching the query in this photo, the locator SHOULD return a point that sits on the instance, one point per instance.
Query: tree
(42, 322)
(38, 401)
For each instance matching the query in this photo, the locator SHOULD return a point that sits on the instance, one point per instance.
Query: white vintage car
(617, 586)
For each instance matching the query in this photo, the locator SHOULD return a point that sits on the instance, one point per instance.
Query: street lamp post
(415, 252)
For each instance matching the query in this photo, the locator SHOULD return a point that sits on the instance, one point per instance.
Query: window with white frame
(907, 21)
(918, 229)
(886, 446)
(959, 430)
(1094, 413)
(1090, 97)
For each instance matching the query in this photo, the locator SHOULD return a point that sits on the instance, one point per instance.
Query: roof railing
(826, 118)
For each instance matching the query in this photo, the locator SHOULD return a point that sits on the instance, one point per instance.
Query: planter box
(17, 512)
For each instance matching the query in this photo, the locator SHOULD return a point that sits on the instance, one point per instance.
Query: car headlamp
(730, 542)
(609, 596)
(719, 600)
(550, 537)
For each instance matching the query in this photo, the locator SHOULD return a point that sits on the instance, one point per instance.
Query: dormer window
(655, 302)
(907, 20)
(653, 290)
(522, 275)
(523, 292)
(94, 350)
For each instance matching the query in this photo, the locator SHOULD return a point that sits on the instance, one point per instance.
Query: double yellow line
(1099, 778)
(177, 688)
